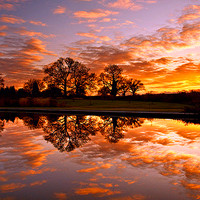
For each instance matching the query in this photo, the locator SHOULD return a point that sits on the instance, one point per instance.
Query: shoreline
(147, 114)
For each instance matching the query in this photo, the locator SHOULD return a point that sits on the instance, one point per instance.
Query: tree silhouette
(58, 73)
(134, 86)
(123, 86)
(81, 80)
(34, 87)
(110, 79)
(52, 91)
(1, 81)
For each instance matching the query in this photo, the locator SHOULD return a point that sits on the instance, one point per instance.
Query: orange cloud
(23, 31)
(104, 166)
(38, 23)
(6, 6)
(92, 35)
(96, 190)
(151, 1)
(11, 19)
(38, 183)
(60, 196)
(124, 4)
(187, 17)
(11, 187)
(94, 14)
(20, 59)
(106, 20)
(59, 10)
(190, 12)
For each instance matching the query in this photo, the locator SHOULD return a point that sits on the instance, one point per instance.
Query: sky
(155, 41)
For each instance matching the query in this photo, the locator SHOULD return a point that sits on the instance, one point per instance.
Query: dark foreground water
(92, 157)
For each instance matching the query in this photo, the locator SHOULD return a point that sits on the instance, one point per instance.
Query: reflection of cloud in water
(163, 145)
(117, 154)
(21, 156)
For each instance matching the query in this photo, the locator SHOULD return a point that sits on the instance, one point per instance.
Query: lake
(98, 157)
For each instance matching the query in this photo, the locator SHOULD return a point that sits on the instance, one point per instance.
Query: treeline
(70, 78)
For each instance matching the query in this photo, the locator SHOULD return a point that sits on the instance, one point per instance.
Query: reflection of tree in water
(34, 121)
(70, 132)
(5, 117)
(113, 127)
(2, 123)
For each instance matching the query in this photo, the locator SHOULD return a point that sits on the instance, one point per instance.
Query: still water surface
(98, 157)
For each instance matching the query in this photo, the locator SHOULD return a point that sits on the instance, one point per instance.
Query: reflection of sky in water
(158, 160)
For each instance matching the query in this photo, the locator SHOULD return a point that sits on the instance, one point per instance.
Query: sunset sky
(156, 41)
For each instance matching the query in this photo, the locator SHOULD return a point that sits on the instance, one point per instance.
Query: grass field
(104, 105)
(120, 105)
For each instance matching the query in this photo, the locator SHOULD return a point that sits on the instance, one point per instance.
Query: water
(98, 157)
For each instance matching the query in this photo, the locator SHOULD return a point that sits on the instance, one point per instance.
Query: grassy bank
(84, 104)
(122, 105)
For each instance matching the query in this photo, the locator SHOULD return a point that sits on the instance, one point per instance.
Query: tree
(123, 86)
(110, 78)
(134, 86)
(1, 81)
(34, 87)
(52, 91)
(58, 73)
(81, 80)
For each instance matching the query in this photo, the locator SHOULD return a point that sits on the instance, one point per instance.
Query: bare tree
(81, 80)
(110, 78)
(58, 73)
(135, 85)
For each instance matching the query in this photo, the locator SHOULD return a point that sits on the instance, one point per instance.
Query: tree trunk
(65, 87)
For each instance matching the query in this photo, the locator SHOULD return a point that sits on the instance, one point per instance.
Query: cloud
(94, 14)
(59, 10)
(21, 55)
(6, 6)
(105, 20)
(36, 183)
(11, 19)
(190, 12)
(96, 191)
(25, 32)
(151, 1)
(60, 196)
(92, 35)
(124, 4)
(38, 23)
(11, 187)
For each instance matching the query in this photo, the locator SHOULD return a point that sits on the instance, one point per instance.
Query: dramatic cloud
(11, 19)
(94, 14)
(59, 10)
(18, 59)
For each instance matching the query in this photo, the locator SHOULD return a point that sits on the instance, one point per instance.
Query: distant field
(120, 105)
